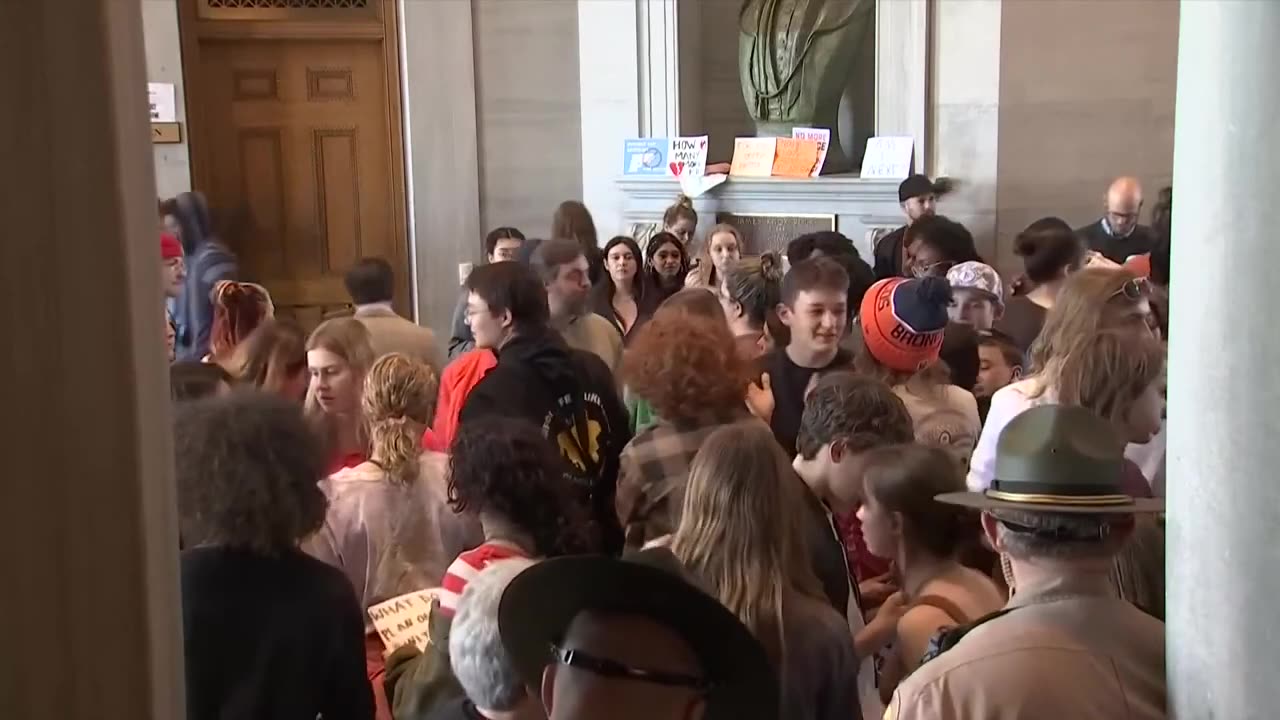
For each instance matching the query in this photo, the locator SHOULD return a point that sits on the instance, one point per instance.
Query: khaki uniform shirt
(1069, 650)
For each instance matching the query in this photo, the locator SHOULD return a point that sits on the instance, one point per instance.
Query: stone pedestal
(857, 207)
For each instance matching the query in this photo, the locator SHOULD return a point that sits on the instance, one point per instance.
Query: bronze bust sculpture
(795, 58)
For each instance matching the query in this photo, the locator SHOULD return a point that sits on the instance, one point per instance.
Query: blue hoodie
(208, 261)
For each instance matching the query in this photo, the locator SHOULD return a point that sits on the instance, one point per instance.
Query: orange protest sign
(753, 157)
(795, 157)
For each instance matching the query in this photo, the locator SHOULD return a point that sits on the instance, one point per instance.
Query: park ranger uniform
(1067, 650)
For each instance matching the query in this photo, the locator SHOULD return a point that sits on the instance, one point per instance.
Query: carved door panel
(296, 142)
(300, 161)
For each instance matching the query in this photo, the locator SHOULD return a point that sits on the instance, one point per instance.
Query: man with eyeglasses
(631, 639)
(1117, 234)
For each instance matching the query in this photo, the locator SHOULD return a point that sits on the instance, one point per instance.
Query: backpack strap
(947, 638)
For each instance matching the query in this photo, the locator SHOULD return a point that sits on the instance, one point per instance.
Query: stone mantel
(859, 205)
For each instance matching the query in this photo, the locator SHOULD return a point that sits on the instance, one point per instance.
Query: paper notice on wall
(888, 158)
(645, 156)
(753, 156)
(822, 135)
(163, 101)
(404, 620)
(795, 158)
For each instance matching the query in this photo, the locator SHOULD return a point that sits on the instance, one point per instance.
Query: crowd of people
(674, 479)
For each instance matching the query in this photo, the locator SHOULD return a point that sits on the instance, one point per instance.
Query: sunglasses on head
(1134, 289)
(613, 669)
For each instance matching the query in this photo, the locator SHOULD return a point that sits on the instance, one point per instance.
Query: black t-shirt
(789, 382)
(271, 637)
(888, 255)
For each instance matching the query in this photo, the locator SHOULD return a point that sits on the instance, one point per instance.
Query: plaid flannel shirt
(653, 472)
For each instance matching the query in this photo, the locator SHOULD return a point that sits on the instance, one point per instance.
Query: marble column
(89, 614)
(1224, 369)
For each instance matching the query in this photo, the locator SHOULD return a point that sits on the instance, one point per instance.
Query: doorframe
(386, 29)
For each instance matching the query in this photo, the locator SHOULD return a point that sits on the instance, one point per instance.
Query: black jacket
(888, 255)
(1115, 249)
(572, 396)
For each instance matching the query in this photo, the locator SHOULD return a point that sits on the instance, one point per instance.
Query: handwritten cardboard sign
(822, 135)
(753, 156)
(404, 620)
(888, 158)
(687, 156)
(795, 158)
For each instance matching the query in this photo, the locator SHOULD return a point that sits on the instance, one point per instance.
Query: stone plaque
(764, 232)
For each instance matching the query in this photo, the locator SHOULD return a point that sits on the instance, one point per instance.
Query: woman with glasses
(739, 535)
(934, 244)
(1075, 361)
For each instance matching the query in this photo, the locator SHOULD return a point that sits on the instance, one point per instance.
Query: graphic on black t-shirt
(578, 436)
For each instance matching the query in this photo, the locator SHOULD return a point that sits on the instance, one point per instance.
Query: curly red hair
(687, 366)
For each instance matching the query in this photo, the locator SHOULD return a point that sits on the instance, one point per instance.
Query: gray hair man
(563, 268)
(480, 663)
(1065, 645)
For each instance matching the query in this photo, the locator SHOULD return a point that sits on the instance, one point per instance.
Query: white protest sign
(822, 135)
(163, 101)
(404, 620)
(687, 156)
(888, 158)
(694, 187)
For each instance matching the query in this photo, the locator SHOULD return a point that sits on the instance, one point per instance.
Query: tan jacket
(388, 333)
(1072, 650)
(594, 334)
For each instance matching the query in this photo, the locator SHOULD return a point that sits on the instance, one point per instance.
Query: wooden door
(297, 143)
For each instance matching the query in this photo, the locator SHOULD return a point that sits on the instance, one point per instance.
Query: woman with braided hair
(389, 527)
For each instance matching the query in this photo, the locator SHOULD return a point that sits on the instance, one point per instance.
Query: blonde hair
(1090, 301)
(681, 209)
(707, 274)
(739, 531)
(1108, 373)
(347, 338)
(398, 402)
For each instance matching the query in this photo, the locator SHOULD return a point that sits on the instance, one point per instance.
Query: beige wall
(1086, 94)
(494, 129)
(164, 64)
(964, 117)
(527, 110)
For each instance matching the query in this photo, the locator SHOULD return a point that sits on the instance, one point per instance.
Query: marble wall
(164, 64)
(1086, 94)
(494, 129)
(528, 110)
(964, 111)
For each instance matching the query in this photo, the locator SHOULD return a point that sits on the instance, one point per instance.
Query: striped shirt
(466, 567)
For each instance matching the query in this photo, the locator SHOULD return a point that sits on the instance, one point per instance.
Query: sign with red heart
(688, 156)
